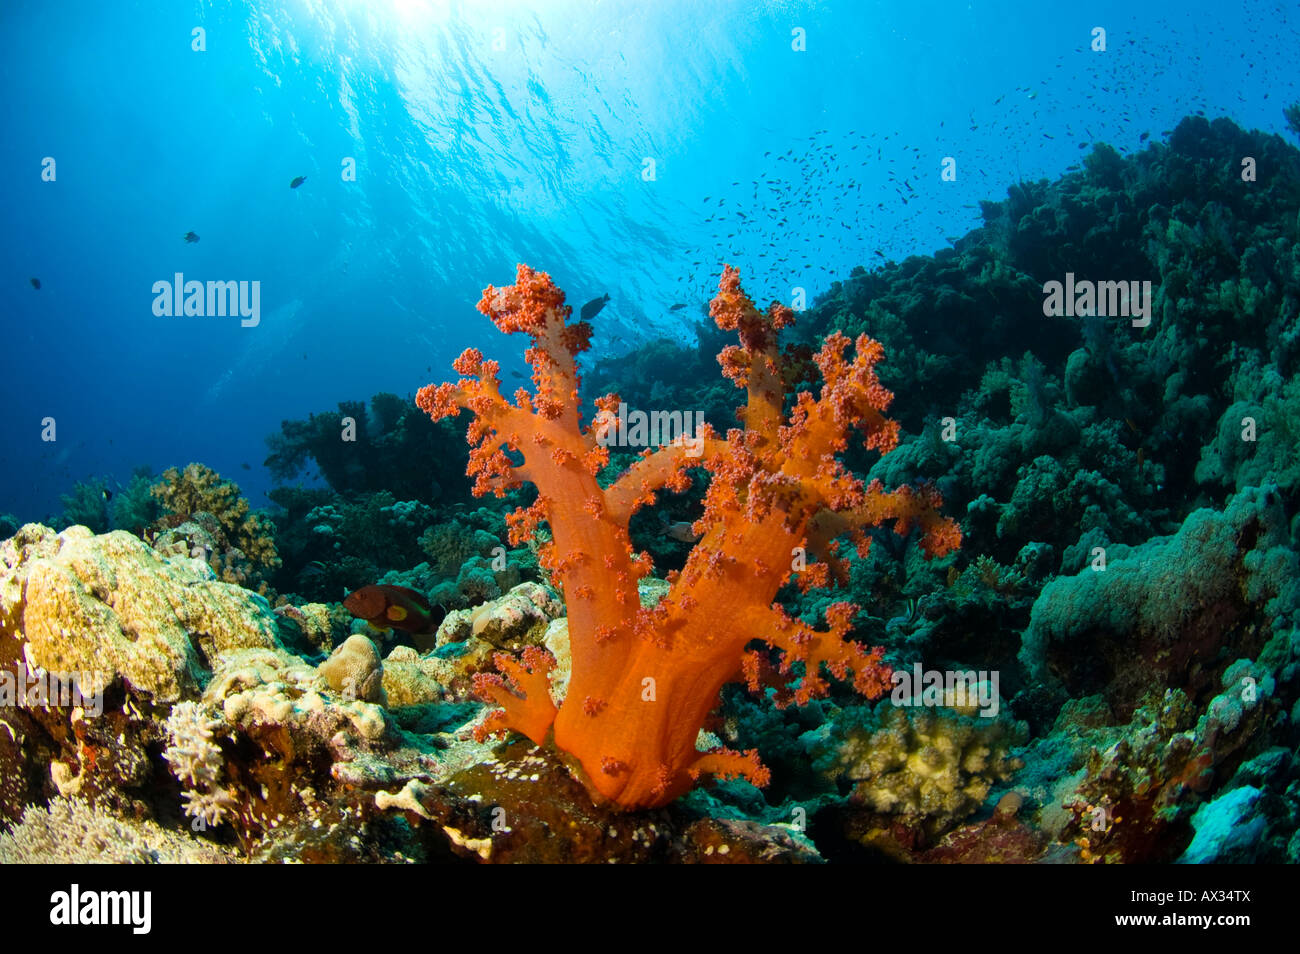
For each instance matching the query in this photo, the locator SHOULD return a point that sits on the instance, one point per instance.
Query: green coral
(470, 534)
(391, 446)
(87, 505)
(134, 507)
(1292, 115)
(1258, 437)
(1172, 607)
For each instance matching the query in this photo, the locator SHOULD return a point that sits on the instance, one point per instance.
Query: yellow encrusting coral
(934, 766)
(110, 607)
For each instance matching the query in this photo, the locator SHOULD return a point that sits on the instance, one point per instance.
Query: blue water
(489, 133)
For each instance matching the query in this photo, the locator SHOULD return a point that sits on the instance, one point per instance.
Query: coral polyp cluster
(644, 679)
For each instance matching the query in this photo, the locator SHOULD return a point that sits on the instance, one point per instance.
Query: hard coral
(645, 678)
(236, 537)
(927, 767)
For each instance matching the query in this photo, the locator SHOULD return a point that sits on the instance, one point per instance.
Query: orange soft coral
(645, 679)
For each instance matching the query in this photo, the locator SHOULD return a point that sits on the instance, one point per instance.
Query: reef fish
(592, 308)
(36, 283)
(297, 181)
(385, 606)
(681, 530)
(191, 236)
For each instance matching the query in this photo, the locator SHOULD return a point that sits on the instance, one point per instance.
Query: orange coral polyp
(644, 680)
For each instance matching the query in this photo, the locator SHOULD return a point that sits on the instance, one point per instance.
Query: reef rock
(109, 606)
(467, 639)
(355, 669)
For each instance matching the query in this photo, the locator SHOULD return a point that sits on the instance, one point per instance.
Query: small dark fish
(516, 374)
(36, 283)
(107, 494)
(245, 466)
(1144, 137)
(677, 307)
(298, 180)
(592, 308)
(191, 236)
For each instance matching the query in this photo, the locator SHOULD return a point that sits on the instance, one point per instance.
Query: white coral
(196, 762)
(210, 807)
(194, 758)
(71, 832)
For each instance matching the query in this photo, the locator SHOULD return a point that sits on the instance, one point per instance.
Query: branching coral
(645, 679)
(200, 490)
(196, 762)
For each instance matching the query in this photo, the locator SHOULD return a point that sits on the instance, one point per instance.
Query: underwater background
(296, 609)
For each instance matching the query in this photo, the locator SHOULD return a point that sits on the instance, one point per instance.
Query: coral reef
(207, 517)
(644, 680)
(1127, 498)
(390, 446)
(113, 608)
(70, 831)
(924, 767)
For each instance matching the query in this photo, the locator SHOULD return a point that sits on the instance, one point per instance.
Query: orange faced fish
(384, 606)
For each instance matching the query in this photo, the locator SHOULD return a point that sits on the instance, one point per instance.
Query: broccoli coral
(645, 679)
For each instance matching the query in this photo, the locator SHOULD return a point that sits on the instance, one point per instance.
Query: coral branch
(524, 694)
(725, 763)
(636, 487)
